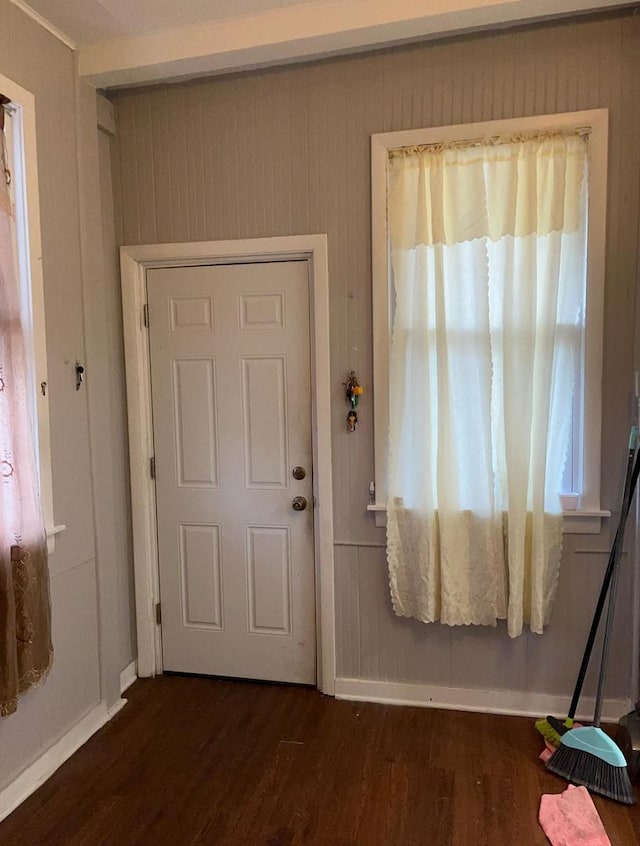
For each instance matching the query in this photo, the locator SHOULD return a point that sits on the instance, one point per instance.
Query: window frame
(587, 518)
(24, 174)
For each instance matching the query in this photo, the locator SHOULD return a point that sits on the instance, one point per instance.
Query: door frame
(134, 262)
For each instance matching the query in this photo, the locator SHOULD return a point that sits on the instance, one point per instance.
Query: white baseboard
(128, 676)
(45, 766)
(115, 708)
(522, 703)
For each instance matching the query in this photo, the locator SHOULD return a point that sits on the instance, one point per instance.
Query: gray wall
(111, 418)
(86, 668)
(287, 151)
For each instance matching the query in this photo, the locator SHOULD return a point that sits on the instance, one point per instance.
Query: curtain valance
(450, 194)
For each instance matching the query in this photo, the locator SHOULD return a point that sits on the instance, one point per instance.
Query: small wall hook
(79, 375)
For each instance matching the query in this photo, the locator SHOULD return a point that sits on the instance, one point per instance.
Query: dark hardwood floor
(194, 761)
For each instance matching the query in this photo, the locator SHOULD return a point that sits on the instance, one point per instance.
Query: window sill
(51, 537)
(380, 514)
(584, 521)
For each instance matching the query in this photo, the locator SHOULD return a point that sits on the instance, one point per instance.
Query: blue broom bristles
(588, 756)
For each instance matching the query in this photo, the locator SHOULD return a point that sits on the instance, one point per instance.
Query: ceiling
(90, 21)
(130, 42)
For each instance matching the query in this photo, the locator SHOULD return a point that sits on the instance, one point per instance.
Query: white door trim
(134, 262)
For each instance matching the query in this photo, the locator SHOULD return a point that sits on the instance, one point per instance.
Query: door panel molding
(256, 379)
(193, 597)
(195, 436)
(134, 262)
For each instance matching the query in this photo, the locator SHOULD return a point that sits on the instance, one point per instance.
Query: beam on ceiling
(294, 33)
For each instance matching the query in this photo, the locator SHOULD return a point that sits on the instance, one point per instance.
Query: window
(20, 136)
(582, 473)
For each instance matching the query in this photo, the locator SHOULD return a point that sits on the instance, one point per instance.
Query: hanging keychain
(353, 392)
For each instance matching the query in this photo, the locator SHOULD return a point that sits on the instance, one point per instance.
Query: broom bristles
(581, 767)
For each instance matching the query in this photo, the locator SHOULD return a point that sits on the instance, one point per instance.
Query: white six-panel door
(230, 373)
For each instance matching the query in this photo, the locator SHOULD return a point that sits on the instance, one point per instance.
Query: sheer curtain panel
(488, 247)
(25, 618)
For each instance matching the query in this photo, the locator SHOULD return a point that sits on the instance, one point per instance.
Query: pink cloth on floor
(547, 752)
(571, 819)
(549, 748)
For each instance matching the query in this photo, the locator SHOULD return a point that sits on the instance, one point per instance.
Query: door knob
(299, 503)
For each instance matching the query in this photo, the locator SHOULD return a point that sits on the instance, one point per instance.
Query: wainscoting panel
(374, 644)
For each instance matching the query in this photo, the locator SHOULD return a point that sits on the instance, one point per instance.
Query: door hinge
(152, 466)
(145, 314)
(158, 614)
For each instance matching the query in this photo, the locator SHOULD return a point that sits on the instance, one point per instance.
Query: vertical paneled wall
(90, 568)
(37, 61)
(286, 151)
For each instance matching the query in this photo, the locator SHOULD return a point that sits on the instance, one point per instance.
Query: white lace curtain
(25, 620)
(489, 264)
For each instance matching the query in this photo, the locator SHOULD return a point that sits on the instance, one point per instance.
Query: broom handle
(631, 478)
(604, 662)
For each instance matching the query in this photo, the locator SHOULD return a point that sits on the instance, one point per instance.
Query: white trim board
(45, 766)
(128, 676)
(522, 703)
(134, 262)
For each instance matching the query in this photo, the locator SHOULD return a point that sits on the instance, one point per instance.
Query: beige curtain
(448, 194)
(25, 616)
(489, 261)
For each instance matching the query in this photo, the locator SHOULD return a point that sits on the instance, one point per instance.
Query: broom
(587, 755)
(550, 727)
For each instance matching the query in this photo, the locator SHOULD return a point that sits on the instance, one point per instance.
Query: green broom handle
(631, 479)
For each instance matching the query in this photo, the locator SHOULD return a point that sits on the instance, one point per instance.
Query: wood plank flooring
(194, 761)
